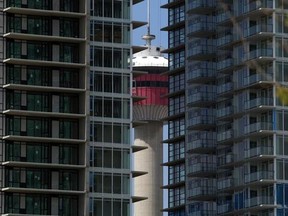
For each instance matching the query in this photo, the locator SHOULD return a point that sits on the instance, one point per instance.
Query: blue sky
(158, 20)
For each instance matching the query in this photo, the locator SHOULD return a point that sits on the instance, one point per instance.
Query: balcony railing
(201, 73)
(225, 207)
(225, 183)
(257, 127)
(201, 144)
(202, 191)
(201, 120)
(201, 50)
(226, 159)
(226, 63)
(257, 29)
(258, 53)
(258, 102)
(202, 167)
(256, 78)
(201, 97)
(255, 5)
(201, 26)
(259, 200)
(257, 176)
(226, 87)
(225, 135)
(224, 16)
(225, 40)
(261, 150)
(202, 213)
(225, 111)
(196, 4)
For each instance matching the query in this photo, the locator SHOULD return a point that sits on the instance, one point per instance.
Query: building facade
(65, 107)
(235, 150)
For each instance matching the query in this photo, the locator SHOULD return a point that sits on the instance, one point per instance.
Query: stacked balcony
(45, 80)
(203, 95)
(201, 72)
(201, 142)
(203, 165)
(206, 208)
(202, 189)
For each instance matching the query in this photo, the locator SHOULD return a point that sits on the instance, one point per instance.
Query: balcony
(202, 193)
(257, 29)
(225, 183)
(225, 88)
(226, 64)
(256, 78)
(258, 102)
(201, 142)
(258, 126)
(263, 201)
(224, 17)
(259, 152)
(258, 5)
(202, 213)
(201, 6)
(201, 99)
(202, 28)
(225, 112)
(259, 176)
(225, 135)
(261, 54)
(201, 52)
(200, 122)
(201, 72)
(226, 159)
(225, 40)
(201, 169)
(225, 207)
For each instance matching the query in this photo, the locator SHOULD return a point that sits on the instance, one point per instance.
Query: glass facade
(235, 126)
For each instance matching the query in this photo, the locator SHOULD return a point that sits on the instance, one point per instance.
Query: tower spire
(148, 37)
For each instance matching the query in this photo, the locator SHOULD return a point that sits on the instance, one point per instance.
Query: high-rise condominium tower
(228, 136)
(65, 105)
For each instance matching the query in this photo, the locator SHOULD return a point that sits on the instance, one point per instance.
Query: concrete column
(149, 160)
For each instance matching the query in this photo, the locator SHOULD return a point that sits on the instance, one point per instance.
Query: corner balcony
(259, 7)
(225, 88)
(258, 102)
(202, 28)
(260, 176)
(225, 112)
(225, 207)
(257, 78)
(202, 193)
(226, 183)
(201, 6)
(226, 160)
(225, 40)
(225, 136)
(260, 152)
(258, 127)
(225, 17)
(205, 142)
(226, 65)
(202, 169)
(259, 54)
(201, 52)
(258, 32)
(201, 122)
(260, 202)
(202, 72)
(203, 98)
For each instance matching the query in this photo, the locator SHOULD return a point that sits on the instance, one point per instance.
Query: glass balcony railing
(252, 30)
(225, 40)
(256, 78)
(200, 73)
(226, 63)
(259, 200)
(197, 4)
(225, 111)
(201, 144)
(225, 183)
(225, 135)
(202, 26)
(225, 207)
(226, 159)
(201, 97)
(226, 87)
(201, 50)
(202, 213)
(224, 16)
(257, 127)
(255, 5)
(257, 151)
(257, 176)
(201, 191)
(201, 120)
(258, 102)
(201, 167)
(258, 53)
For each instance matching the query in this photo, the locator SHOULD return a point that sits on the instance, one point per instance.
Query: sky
(158, 20)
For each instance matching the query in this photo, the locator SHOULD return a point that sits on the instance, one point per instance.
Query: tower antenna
(148, 37)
